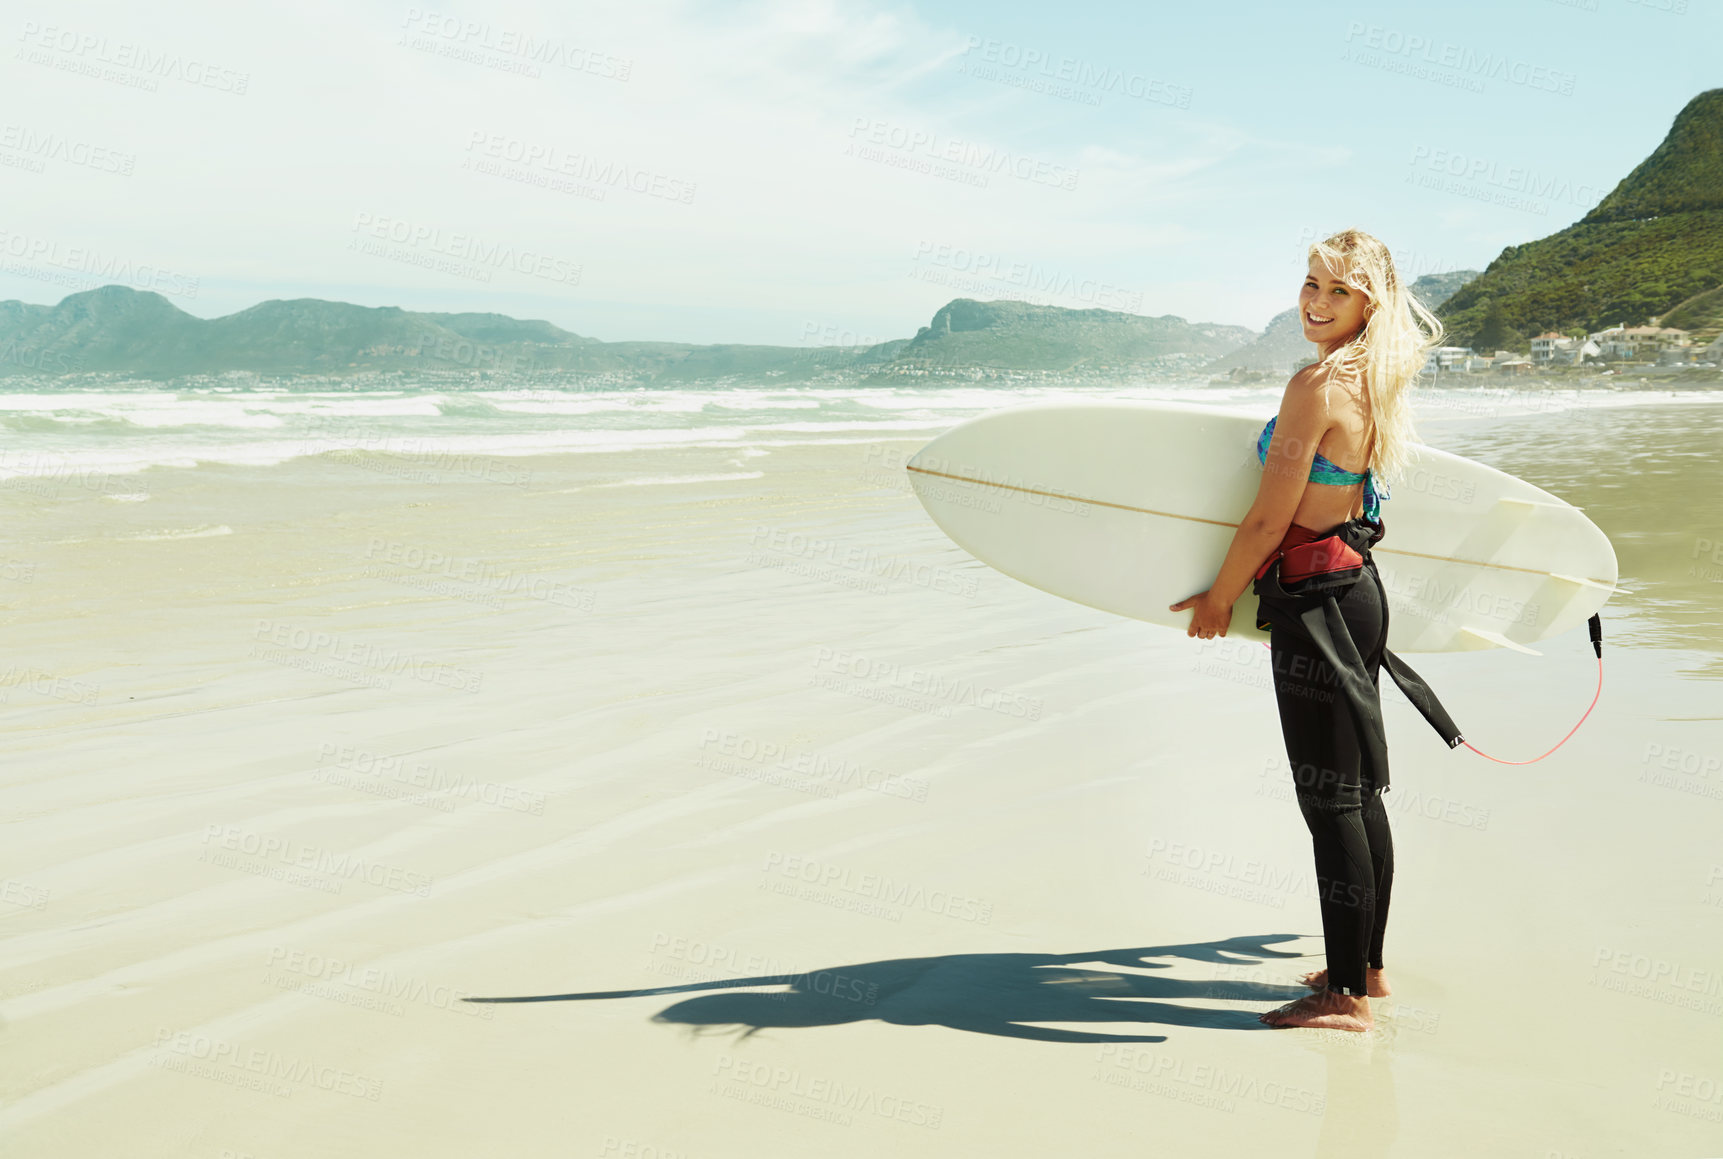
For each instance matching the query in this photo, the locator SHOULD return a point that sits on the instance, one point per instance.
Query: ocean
(1641, 461)
(106, 433)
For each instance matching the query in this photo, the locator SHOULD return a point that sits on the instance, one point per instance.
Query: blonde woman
(1344, 424)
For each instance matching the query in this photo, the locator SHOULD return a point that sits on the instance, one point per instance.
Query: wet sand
(303, 756)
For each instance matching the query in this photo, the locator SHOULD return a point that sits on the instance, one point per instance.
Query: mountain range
(116, 329)
(1651, 249)
(119, 330)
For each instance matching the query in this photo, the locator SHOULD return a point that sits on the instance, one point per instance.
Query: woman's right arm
(1304, 418)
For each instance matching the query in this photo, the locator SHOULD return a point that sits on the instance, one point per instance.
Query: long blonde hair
(1389, 349)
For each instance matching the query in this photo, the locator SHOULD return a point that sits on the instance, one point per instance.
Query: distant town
(1618, 348)
(1651, 351)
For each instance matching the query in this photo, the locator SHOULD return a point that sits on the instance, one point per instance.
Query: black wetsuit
(1328, 637)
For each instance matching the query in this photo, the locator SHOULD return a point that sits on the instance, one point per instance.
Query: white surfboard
(1130, 506)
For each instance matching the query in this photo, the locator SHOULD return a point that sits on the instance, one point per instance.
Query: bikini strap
(1372, 499)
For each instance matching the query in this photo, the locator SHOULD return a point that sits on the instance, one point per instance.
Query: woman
(1327, 633)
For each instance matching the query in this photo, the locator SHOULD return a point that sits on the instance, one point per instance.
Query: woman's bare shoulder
(1332, 390)
(1308, 390)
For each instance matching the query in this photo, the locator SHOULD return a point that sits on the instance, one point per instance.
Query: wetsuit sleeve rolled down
(1309, 610)
(1423, 698)
(1317, 620)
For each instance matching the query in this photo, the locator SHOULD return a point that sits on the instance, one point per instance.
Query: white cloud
(823, 142)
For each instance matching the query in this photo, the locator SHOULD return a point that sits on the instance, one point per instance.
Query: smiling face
(1330, 310)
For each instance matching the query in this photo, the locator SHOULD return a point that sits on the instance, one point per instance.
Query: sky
(808, 173)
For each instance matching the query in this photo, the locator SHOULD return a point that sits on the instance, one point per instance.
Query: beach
(310, 750)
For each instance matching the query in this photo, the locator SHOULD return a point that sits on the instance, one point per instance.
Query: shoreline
(430, 437)
(462, 377)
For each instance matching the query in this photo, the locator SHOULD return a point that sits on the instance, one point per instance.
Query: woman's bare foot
(1324, 1009)
(1375, 982)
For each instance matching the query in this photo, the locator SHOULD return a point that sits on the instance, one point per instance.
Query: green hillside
(1653, 243)
(1702, 315)
(1683, 175)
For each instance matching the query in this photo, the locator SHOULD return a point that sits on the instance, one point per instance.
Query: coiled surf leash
(1595, 625)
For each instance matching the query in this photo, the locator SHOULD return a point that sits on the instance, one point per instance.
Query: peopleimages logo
(1066, 77)
(870, 135)
(93, 263)
(289, 968)
(1513, 178)
(45, 145)
(236, 1062)
(796, 1090)
(1366, 43)
(781, 547)
(414, 774)
(277, 639)
(555, 160)
(86, 52)
(480, 253)
(889, 891)
(743, 755)
(266, 848)
(972, 269)
(438, 30)
(924, 682)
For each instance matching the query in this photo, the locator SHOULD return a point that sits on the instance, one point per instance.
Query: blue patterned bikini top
(1325, 472)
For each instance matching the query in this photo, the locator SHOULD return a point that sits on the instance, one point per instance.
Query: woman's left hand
(1210, 618)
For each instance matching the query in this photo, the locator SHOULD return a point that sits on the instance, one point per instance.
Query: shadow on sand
(988, 993)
